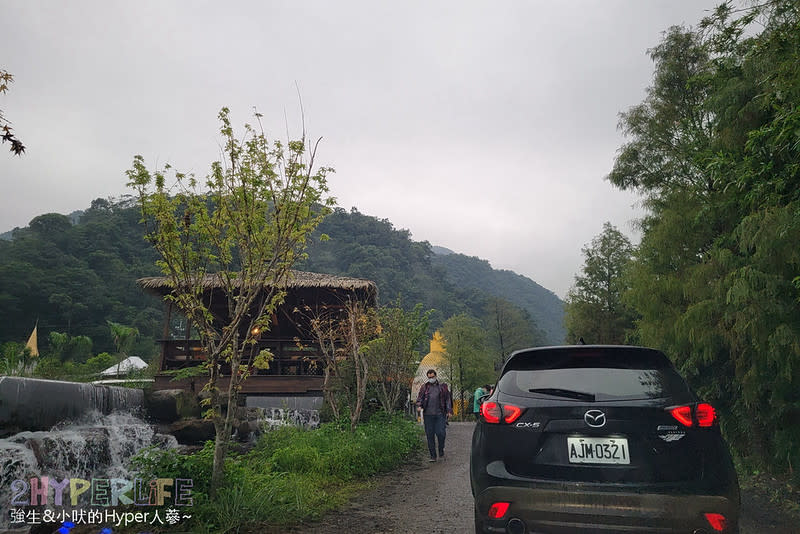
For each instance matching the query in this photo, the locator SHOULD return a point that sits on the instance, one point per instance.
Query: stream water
(60, 438)
(94, 446)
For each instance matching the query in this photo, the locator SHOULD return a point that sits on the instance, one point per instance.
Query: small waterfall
(266, 413)
(34, 404)
(96, 445)
(273, 417)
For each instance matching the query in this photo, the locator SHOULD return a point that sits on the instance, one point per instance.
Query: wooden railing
(290, 357)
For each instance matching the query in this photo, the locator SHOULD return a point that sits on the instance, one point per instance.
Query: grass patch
(291, 475)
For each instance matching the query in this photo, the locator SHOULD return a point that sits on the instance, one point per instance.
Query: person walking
(436, 405)
(482, 391)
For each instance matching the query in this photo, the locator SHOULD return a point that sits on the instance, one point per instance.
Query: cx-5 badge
(595, 418)
(528, 425)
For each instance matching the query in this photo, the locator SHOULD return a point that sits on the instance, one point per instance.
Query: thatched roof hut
(293, 368)
(366, 289)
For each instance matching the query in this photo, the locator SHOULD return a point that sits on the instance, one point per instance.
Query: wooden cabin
(297, 367)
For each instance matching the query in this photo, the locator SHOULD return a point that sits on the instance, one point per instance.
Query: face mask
(431, 380)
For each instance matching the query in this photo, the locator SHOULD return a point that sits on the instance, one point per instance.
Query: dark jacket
(445, 400)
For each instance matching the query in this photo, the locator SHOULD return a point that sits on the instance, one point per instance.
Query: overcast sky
(484, 127)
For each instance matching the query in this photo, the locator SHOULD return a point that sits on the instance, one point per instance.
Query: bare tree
(343, 335)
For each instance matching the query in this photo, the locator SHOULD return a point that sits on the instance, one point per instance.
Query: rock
(243, 431)
(193, 431)
(169, 405)
(83, 452)
(247, 414)
(164, 441)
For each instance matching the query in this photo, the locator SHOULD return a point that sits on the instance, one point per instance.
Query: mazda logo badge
(595, 418)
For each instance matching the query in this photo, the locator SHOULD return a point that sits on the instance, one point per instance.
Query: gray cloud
(485, 127)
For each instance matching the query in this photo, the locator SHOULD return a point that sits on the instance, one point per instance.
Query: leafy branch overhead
(6, 132)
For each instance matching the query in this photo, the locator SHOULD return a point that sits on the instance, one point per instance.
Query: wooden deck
(254, 385)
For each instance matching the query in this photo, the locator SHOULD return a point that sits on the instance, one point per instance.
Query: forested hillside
(73, 278)
(543, 305)
(73, 275)
(366, 247)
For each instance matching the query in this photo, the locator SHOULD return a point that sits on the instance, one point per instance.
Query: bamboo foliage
(713, 149)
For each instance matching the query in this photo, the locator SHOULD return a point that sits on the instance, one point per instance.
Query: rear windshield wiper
(568, 393)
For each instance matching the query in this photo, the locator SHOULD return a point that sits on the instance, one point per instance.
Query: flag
(33, 342)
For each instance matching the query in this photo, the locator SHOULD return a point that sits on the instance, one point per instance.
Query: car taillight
(493, 411)
(704, 413)
(717, 521)
(498, 510)
(511, 413)
(683, 414)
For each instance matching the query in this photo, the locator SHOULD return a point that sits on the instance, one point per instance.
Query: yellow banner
(33, 342)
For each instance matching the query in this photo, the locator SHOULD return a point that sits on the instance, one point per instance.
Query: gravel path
(427, 498)
(760, 516)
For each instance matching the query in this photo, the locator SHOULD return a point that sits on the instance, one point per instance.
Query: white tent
(132, 363)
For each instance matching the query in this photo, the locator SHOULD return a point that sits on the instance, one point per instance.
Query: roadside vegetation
(291, 475)
(714, 152)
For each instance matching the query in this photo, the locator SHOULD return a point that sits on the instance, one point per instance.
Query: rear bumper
(569, 507)
(577, 509)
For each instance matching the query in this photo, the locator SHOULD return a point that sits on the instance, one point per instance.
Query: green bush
(98, 363)
(154, 462)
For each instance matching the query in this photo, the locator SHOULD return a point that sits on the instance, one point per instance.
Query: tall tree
(508, 328)
(713, 148)
(595, 309)
(15, 359)
(124, 337)
(469, 364)
(394, 353)
(343, 334)
(64, 347)
(245, 224)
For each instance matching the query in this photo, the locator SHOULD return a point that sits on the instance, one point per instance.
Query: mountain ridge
(543, 304)
(74, 272)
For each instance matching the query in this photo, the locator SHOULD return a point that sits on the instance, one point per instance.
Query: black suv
(599, 439)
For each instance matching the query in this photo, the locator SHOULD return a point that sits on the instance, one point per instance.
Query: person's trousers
(435, 429)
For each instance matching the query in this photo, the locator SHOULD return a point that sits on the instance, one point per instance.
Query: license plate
(598, 451)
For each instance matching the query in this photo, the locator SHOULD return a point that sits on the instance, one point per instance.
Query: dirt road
(422, 498)
(435, 499)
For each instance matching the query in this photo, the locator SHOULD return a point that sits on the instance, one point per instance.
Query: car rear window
(593, 374)
(601, 383)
